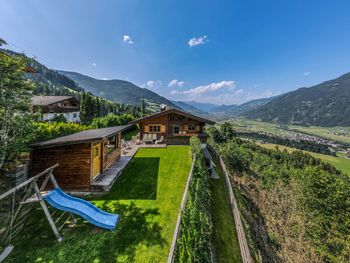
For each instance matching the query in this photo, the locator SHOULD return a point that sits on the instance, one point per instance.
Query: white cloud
(198, 41)
(239, 91)
(93, 64)
(105, 78)
(173, 92)
(176, 83)
(127, 39)
(200, 90)
(152, 84)
(307, 73)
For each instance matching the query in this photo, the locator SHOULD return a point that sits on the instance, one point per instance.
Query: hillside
(49, 81)
(183, 105)
(206, 107)
(326, 104)
(248, 106)
(116, 90)
(223, 111)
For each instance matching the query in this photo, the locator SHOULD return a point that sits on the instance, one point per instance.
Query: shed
(82, 156)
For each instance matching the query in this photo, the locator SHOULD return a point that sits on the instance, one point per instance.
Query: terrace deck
(105, 180)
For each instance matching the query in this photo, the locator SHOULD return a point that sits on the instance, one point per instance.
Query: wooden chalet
(171, 126)
(82, 156)
(52, 106)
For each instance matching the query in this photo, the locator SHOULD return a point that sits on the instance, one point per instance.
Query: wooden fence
(243, 244)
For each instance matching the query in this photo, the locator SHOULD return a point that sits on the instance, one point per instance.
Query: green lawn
(225, 240)
(147, 197)
(340, 162)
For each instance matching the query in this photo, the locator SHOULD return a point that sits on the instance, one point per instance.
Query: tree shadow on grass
(139, 181)
(86, 243)
(132, 230)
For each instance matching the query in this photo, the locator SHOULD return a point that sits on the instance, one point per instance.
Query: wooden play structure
(33, 191)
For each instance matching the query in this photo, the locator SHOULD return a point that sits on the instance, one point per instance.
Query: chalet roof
(48, 100)
(173, 110)
(81, 137)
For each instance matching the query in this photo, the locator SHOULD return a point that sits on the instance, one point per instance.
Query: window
(111, 144)
(191, 127)
(96, 153)
(176, 129)
(154, 128)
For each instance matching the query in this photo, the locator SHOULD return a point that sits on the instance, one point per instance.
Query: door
(176, 129)
(97, 156)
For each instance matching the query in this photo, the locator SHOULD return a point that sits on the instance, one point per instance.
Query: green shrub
(43, 131)
(194, 241)
(111, 120)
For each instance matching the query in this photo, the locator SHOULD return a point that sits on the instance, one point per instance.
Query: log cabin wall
(160, 120)
(109, 159)
(74, 170)
(166, 122)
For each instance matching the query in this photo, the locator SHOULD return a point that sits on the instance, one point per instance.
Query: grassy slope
(225, 236)
(147, 196)
(340, 162)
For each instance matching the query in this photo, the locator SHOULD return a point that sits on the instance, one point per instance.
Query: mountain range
(325, 104)
(117, 90)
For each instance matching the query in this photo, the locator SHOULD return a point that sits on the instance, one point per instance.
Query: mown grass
(225, 240)
(340, 162)
(147, 197)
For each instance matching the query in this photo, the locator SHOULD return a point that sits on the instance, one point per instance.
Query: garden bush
(194, 241)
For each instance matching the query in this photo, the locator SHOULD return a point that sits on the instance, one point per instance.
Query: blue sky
(207, 51)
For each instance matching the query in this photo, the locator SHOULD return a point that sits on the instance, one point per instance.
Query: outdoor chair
(154, 137)
(147, 138)
(161, 140)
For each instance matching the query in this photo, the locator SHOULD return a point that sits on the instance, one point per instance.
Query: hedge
(194, 241)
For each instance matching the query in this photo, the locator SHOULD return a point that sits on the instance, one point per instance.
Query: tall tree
(15, 94)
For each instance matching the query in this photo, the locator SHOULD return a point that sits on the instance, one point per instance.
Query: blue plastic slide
(62, 201)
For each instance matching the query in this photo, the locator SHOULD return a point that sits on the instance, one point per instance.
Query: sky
(222, 52)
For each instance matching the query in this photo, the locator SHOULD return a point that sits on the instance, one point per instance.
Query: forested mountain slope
(116, 90)
(325, 104)
(49, 81)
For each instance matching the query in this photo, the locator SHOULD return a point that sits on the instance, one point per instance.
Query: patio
(105, 180)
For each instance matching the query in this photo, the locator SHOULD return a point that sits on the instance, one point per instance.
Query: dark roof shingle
(173, 110)
(81, 137)
(48, 100)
